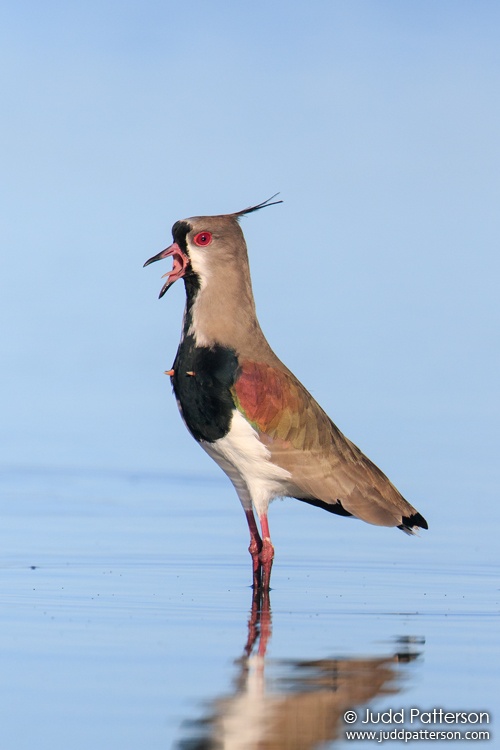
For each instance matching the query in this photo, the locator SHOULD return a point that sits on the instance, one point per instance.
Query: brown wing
(327, 468)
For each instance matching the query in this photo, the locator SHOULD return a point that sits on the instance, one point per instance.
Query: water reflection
(292, 704)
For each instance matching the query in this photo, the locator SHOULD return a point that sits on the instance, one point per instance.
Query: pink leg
(266, 555)
(254, 548)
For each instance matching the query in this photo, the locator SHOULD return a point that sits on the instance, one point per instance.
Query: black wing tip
(251, 209)
(335, 507)
(409, 523)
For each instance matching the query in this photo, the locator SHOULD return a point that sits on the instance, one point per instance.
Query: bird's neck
(221, 311)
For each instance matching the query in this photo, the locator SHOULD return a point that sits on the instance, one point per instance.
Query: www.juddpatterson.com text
(416, 715)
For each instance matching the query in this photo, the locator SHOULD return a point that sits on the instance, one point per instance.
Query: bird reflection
(292, 704)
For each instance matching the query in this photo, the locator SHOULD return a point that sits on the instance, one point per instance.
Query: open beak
(179, 267)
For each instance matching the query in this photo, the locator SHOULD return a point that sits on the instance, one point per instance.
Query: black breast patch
(202, 380)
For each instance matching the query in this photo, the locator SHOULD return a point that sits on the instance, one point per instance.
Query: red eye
(202, 239)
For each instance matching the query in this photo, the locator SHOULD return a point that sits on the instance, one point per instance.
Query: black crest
(251, 209)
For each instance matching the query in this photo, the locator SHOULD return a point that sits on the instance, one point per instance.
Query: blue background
(124, 569)
(376, 281)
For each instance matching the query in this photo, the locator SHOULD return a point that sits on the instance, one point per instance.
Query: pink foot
(266, 556)
(254, 548)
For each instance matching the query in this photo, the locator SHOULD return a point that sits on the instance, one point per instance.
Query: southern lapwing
(247, 410)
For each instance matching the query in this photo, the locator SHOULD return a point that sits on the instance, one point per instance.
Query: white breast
(246, 461)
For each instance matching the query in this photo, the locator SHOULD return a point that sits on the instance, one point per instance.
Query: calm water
(128, 622)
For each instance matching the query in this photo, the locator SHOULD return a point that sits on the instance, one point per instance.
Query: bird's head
(204, 244)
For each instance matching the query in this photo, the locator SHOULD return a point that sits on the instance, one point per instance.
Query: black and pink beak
(181, 262)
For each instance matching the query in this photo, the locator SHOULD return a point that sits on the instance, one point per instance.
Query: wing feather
(326, 467)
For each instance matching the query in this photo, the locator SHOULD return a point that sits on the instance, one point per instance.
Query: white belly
(246, 461)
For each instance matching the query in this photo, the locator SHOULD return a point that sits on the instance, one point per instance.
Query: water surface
(128, 621)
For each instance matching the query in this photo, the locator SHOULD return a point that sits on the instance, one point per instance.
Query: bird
(247, 410)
